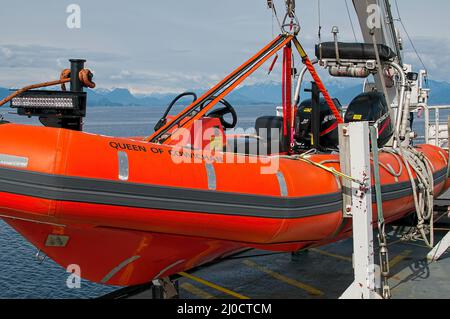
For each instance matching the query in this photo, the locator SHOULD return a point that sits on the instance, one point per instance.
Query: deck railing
(437, 126)
(434, 117)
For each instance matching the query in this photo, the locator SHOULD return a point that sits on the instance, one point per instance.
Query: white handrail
(437, 123)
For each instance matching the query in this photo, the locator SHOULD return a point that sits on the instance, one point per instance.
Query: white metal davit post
(444, 244)
(439, 249)
(355, 161)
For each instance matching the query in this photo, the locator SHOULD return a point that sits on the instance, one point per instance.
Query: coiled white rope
(423, 191)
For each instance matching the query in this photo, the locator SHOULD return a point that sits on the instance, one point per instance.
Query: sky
(151, 46)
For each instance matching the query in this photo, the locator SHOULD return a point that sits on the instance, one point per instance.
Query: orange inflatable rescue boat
(129, 210)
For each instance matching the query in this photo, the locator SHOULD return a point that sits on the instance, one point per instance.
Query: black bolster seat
(270, 130)
(271, 140)
(354, 51)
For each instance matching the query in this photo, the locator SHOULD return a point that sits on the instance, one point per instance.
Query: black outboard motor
(372, 107)
(329, 132)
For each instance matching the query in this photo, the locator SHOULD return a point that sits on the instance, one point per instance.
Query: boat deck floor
(317, 273)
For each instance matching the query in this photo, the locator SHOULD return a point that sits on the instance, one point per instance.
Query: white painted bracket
(444, 244)
(439, 249)
(355, 151)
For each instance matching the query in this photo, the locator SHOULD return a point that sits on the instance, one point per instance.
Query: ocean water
(21, 275)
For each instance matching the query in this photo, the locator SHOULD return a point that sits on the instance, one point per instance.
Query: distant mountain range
(265, 93)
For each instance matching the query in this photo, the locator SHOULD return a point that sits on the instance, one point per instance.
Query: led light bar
(56, 108)
(57, 103)
(44, 102)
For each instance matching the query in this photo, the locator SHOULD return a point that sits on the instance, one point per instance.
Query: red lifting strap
(323, 90)
(273, 63)
(287, 91)
(318, 81)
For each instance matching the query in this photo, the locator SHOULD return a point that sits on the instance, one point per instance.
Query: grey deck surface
(444, 200)
(319, 273)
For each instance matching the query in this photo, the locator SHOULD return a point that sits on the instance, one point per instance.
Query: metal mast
(376, 23)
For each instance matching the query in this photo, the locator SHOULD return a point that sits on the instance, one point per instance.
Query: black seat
(354, 51)
(266, 126)
(271, 140)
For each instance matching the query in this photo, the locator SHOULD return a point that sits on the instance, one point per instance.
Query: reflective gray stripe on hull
(116, 193)
(104, 192)
(124, 167)
(13, 161)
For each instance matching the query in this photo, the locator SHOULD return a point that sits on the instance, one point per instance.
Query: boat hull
(158, 210)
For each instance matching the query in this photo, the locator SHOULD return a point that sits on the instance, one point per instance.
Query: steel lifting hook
(293, 24)
(290, 8)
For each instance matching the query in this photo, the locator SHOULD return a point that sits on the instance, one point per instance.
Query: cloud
(145, 81)
(24, 64)
(37, 56)
(6, 53)
(433, 52)
(174, 45)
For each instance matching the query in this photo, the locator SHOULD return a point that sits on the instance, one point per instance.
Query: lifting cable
(351, 20)
(319, 31)
(409, 38)
(382, 241)
(331, 170)
(271, 6)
